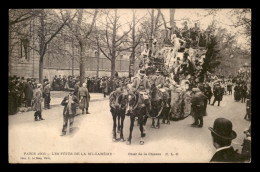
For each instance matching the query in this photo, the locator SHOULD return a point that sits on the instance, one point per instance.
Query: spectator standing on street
(84, 98)
(208, 91)
(198, 107)
(229, 87)
(37, 103)
(28, 93)
(243, 93)
(218, 94)
(104, 86)
(70, 102)
(47, 95)
(237, 91)
(223, 135)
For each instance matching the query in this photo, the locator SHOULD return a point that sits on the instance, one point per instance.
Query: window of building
(24, 49)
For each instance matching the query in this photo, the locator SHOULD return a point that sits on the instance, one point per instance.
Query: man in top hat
(222, 136)
(70, 102)
(142, 85)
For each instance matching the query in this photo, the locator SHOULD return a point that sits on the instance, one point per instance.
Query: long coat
(218, 93)
(37, 100)
(208, 92)
(198, 104)
(73, 106)
(84, 97)
(28, 91)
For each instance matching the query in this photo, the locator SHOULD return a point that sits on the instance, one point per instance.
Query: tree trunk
(72, 64)
(113, 64)
(82, 62)
(172, 12)
(132, 57)
(41, 69)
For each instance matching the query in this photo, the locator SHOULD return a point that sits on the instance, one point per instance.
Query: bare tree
(136, 40)
(20, 15)
(114, 43)
(48, 29)
(82, 33)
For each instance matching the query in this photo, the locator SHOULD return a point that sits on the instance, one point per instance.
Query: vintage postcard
(129, 85)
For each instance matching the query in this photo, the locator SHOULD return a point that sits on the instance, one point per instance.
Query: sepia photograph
(128, 85)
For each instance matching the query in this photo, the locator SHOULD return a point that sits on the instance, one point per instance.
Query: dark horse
(117, 104)
(160, 101)
(136, 108)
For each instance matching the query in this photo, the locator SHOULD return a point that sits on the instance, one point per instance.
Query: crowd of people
(20, 92)
(96, 84)
(27, 93)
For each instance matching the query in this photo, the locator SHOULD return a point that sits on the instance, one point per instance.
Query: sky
(223, 18)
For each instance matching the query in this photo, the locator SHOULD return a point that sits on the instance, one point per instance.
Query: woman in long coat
(237, 96)
(84, 98)
(37, 103)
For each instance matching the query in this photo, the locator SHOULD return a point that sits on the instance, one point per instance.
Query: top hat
(142, 72)
(223, 128)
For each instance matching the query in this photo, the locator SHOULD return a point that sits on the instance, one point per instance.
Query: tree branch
(104, 53)
(92, 24)
(123, 35)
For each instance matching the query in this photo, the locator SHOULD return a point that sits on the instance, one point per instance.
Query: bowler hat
(142, 72)
(195, 89)
(223, 128)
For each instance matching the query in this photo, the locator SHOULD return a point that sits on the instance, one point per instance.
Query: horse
(160, 100)
(117, 108)
(135, 107)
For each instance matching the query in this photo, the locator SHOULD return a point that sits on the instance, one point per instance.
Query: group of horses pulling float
(124, 102)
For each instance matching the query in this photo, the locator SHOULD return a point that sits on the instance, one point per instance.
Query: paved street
(92, 136)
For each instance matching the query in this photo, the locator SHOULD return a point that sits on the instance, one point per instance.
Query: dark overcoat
(227, 155)
(73, 106)
(218, 93)
(198, 104)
